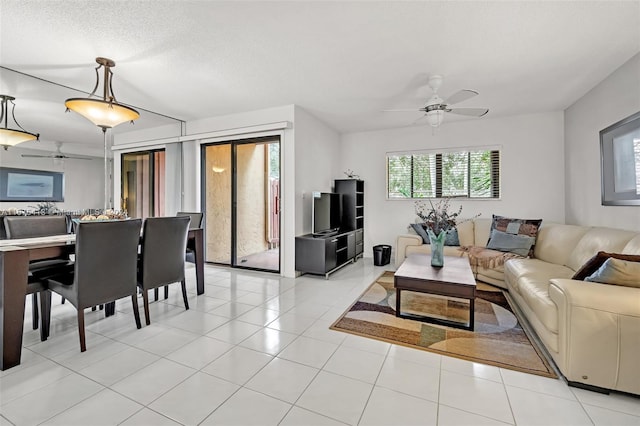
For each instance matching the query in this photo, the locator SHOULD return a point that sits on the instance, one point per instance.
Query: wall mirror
(40, 109)
(620, 162)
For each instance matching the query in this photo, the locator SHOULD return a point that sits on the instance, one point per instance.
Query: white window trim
(441, 151)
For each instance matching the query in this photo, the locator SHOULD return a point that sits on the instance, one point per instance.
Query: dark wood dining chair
(17, 227)
(164, 241)
(105, 268)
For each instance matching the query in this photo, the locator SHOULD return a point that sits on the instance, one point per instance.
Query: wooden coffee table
(454, 279)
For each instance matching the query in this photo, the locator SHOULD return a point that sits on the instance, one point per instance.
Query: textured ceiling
(342, 61)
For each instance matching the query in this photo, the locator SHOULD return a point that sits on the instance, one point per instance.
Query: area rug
(498, 338)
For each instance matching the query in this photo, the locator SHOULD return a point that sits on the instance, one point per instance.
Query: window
(433, 174)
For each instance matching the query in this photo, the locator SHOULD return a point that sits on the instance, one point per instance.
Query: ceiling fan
(58, 155)
(435, 107)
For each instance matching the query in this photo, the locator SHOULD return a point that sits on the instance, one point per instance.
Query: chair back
(34, 226)
(196, 219)
(164, 241)
(106, 260)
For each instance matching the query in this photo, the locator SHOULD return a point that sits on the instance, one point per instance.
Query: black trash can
(381, 255)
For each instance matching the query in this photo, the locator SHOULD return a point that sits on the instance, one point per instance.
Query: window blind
(463, 173)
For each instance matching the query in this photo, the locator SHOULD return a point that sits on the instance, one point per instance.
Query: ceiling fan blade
(57, 156)
(404, 110)
(73, 157)
(460, 96)
(474, 112)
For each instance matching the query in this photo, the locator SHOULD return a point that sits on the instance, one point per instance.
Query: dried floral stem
(436, 217)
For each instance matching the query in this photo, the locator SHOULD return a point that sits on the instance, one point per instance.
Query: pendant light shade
(11, 137)
(102, 113)
(105, 112)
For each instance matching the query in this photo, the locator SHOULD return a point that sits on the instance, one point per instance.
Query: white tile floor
(257, 349)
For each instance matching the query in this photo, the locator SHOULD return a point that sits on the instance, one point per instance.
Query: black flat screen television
(326, 213)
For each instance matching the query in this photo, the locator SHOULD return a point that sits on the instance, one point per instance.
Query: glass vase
(437, 248)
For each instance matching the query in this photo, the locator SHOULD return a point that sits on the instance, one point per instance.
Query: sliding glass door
(242, 199)
(217, 201)
(143, 183)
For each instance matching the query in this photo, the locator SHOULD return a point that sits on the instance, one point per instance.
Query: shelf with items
(324, 255)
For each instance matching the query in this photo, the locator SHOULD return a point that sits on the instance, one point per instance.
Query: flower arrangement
(437, 217)
(108, 214)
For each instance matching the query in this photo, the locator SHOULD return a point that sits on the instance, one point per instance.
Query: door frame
(234, 198)
(152, 170)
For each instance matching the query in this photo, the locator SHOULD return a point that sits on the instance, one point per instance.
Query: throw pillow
(597, 260)
(515, 228)
(419, 228)
(451, 239)
(512, 243)
(617, 272)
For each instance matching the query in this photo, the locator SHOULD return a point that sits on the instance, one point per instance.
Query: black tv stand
(327, 233)
(324, 254)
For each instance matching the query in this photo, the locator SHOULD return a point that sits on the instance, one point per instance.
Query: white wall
(83, 179)
(532, 169)
(616, 97)
(316, 160)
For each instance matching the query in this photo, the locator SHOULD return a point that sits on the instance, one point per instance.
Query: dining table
(15, 256)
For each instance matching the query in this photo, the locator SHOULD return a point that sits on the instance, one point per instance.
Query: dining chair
(105, 268)
(196, 223)
(164, 241)
(17, 227)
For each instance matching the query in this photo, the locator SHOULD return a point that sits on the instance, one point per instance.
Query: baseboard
(589, 387)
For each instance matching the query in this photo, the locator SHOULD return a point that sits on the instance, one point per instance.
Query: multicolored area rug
(498, 338)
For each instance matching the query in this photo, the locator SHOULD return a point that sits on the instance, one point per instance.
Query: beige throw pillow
(618, 272)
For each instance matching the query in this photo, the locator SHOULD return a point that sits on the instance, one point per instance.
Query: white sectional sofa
(591, 330)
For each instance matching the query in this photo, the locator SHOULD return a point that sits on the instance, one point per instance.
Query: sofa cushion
(481, 231)
(555, 242)
(617, 272)
(633, 246)
(493, 276)
(535, 292)
(512, 234)
(598, 239)
(515, 269)
(465, 232)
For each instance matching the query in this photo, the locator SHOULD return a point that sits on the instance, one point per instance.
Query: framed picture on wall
(620, 162)
(31, 185)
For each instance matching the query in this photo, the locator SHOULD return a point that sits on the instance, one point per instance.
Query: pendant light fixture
(11, 137)
(104, 113)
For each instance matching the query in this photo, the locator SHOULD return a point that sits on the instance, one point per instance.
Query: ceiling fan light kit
(11, 137)
(105, 112)
(435, 107)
